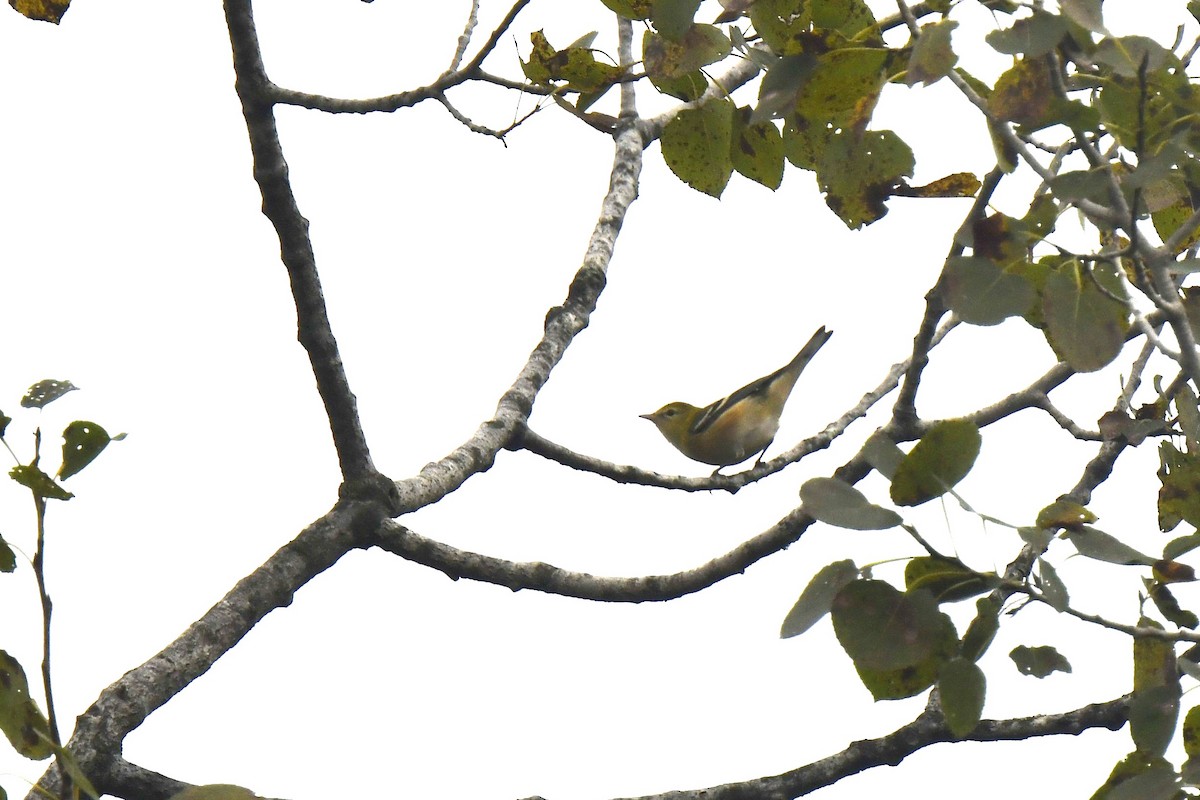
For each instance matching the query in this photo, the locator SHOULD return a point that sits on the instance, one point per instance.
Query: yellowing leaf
(1023, 94)
(43, 10)
(859, 173)
(960, 184)
(1064, 514)
(695, 145)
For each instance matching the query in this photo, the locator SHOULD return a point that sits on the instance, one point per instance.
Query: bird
(732, 429)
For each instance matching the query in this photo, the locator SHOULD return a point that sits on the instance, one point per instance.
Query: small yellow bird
(743, 424)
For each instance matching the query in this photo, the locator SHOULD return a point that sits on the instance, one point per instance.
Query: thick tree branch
(124, 705)
(563, 323)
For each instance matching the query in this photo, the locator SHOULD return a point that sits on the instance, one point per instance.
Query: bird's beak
(647, 416)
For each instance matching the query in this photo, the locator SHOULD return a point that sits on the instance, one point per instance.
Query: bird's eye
(670, 412)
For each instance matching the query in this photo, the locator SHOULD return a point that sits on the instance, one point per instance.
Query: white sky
(135, 263)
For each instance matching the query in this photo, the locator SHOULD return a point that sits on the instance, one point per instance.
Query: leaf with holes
(82, 442)
(43, 393)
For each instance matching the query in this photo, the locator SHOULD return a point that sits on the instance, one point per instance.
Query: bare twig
(464, 39)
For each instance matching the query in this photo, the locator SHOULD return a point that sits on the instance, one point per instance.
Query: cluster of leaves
(825, 65)
(28, 730)
(902, 643)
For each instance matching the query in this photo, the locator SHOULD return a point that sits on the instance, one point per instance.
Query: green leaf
(672, 18)
(1037, 537)
(847, 17)
(982, 293)
(1033, 36)
(1154, 709)
(1164, 600)
(695, 145)
(4, 420)
(82, 442)
(1084, 13)
(631, 9)
(842, 82)
(39, 483)
(781, 84)
(1038, 661)
(1084, 184)
(782, 24)
(837, 503)
(1179, 494)
(896, 684)
(1064, 514)
(817, 598)
(666, 60)
(1086, 318)
(43, 393)
(1139, 776)
(948, 579)
(1191, 732)
(1160, 783)
(882, 454)
(932, 56)
(883, 629)
(1054, 591)
(756, 149)
(8, 558)
(687, 88)
(858, 174)
(982, 630)
(962, 687)
(1184, 544)
(1098, 545)
(20, 719)
(1126, 53)
(942, 458)
(576, 65)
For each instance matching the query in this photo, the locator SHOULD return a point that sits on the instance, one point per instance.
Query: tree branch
(279, 206)
(563, 323)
